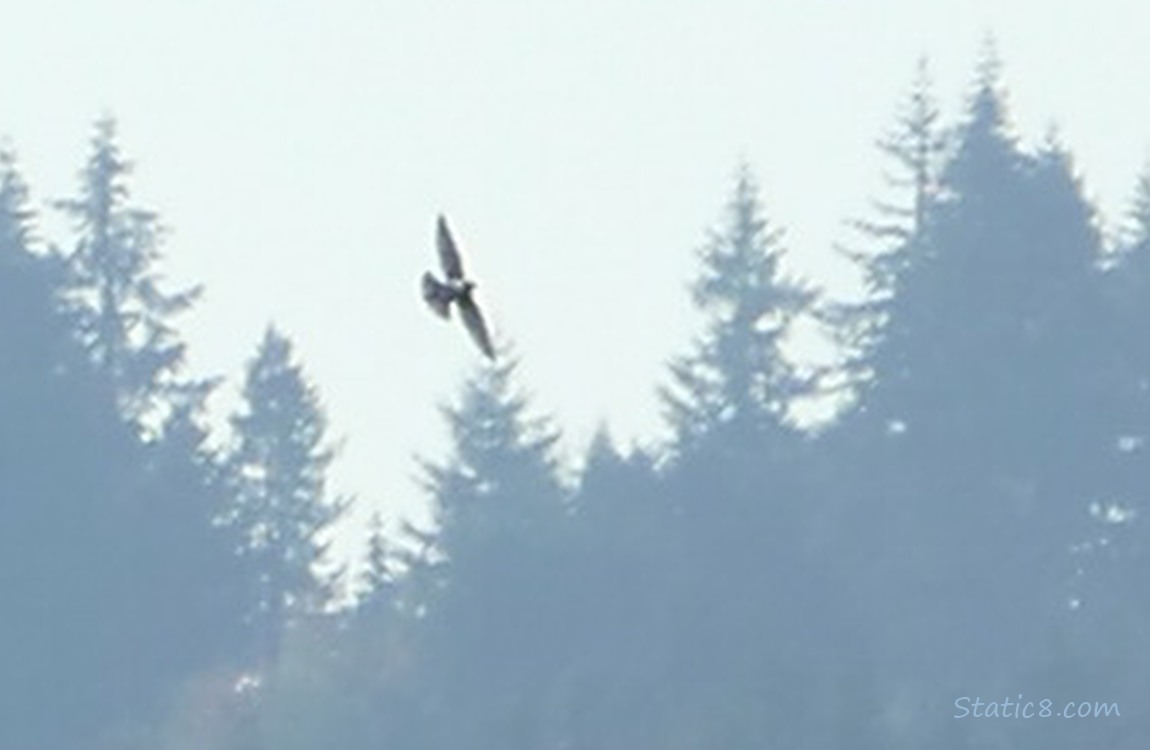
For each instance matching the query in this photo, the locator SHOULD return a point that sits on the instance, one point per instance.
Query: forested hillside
(968, 528)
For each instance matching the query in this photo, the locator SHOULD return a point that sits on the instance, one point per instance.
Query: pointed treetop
(283, 507)
(896, 236)
(740, 275)
(604, 461)
(987, 105)
(915, 148)
(125, 311)
(15, 216)
(989, 67)
(378, 578)
(987, 150)
(103, 187)
(737, 372)
(490, 423)
(602, 448)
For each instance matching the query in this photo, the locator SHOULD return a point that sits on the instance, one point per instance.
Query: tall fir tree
(737, 379)
(67, 464)
(378, 579)
(33, 324)
(498, 451)
(133, 586)
(915, 148)
(124, 313)
(740, 508)
(492, 614)
(282, 507)
(978, 447)
(198, 583)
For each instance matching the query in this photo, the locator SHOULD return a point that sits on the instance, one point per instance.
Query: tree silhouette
(914, 148)
(972, 453)
(124, 315)
(282, 505)
(737, 379)
(490, 588)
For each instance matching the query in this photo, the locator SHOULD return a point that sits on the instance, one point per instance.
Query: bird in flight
(439, 295)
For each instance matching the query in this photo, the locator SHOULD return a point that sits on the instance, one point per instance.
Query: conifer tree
(1005, 300)
(33, 321)
(15, 216)
(613, 482)
(65, 459)
(979, 444)
(124, 313)
(737, 379)
(490, 606)
(282, 507)
(914, 147)
(378, 580)
(501, 477)
(198, 584)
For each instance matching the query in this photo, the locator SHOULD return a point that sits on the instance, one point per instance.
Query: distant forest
(966, 534)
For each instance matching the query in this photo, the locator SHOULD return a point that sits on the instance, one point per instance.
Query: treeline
(138, 565)
(969, 527)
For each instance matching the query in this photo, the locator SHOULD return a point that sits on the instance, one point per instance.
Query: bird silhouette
(457, 289)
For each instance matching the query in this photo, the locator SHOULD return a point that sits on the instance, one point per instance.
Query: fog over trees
(949, 562)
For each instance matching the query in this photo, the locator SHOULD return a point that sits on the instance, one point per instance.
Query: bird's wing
(448, 252)
(437, 296)
(473, 319)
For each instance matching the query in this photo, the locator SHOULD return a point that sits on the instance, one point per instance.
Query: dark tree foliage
(967, 474)
(460, 650)
(626, 538)
(1113, 562)
(971, 525)
(379, 576)
(736, 386)
(967, 528)
(282, 508)
(914, 148)
(124, 314)
(493, 616)
(499, 451)
(747, 595)
(198, 587)
(619, 494)
(1128, 295)
(52, 415)
(120, 582)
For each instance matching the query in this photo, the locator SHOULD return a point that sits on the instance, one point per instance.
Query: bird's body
(456, 289)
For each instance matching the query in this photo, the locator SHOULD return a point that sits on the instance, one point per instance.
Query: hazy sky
(299, 151)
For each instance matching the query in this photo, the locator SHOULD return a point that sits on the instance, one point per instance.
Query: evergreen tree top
(124, 311)
(986, 144)
(491, 421)
(498, 451)
(15, 216)
(283, 415)
(378, 578)
(283, 508)
(738, 373)
(740, 275)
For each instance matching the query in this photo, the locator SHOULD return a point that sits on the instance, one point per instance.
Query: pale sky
(299, 151)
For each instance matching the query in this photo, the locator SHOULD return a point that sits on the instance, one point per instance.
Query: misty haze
(890, 493)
